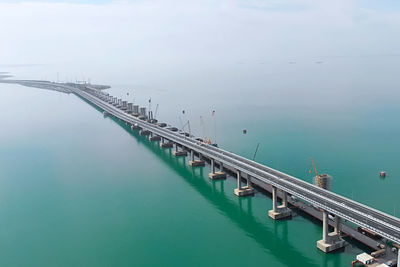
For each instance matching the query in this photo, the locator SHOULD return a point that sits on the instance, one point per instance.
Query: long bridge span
(341, 207)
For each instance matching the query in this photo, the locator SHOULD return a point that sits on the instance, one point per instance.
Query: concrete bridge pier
(144, 132)
(221, 167)
(330, 241)
(154, 137)
(196, 163)
(135, 127)
(281, 212)
(398, 256)
(242, 191)
(249, 184)
(216, 175)
(337, 225)
(166, 144)
(179, 153)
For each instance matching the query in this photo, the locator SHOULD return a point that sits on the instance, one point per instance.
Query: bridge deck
(379, 222)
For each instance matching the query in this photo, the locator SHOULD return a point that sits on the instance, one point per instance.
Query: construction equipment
(155, 112)
(150, 108)
(255, 153)
(183, 128)
(203, 126)
(152, 116)
(207, 139)
(316, 173)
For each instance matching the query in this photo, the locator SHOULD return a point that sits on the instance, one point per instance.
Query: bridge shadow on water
(275, 241)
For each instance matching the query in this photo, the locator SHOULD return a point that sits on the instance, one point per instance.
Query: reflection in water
(274, 243)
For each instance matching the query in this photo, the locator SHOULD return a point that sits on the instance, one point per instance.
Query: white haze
(235, 47)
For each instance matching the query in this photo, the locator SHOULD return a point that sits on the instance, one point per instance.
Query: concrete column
(284, 199)
(239, 184)
(330, 241)
(398, 257)
(249, 185)
(221, 166)
(176, 147)
(196, 163)
(337, 225)
(282, 211)
(325, 226)
(274, 199)
(216, 175)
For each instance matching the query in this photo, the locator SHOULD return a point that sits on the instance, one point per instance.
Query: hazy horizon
(298, 52)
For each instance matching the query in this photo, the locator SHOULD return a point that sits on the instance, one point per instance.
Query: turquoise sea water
(78, 189)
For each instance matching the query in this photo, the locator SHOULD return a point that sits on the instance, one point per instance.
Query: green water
(78, 189)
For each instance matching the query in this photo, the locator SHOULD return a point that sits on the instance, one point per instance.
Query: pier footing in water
(155, 138)
(217, 175)
(330, 241)
(180, 153)
(281, 212)
(244, 191)
(334, 242)
(197, 163)
(166, 145)
(144, 132)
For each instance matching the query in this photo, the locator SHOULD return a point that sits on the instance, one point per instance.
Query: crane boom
(155, 112)
(186, 124)
(203, 128)
(255, 153)
(316, 173)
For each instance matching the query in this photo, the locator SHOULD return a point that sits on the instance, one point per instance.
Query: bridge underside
(254, 173)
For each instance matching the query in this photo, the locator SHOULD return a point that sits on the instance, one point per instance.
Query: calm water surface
(78, 189)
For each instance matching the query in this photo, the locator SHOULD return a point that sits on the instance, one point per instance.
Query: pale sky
(113, 36)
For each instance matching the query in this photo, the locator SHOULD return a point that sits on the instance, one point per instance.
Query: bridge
(328, 202)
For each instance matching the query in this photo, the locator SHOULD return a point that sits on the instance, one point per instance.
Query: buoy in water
(382, 174)
(244, 131)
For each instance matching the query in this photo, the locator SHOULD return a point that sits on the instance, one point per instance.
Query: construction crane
(150, 108)
(255, 153)
(206, 140)
(317, 175)
(155, 112)
(203, 126)
(183, 127)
